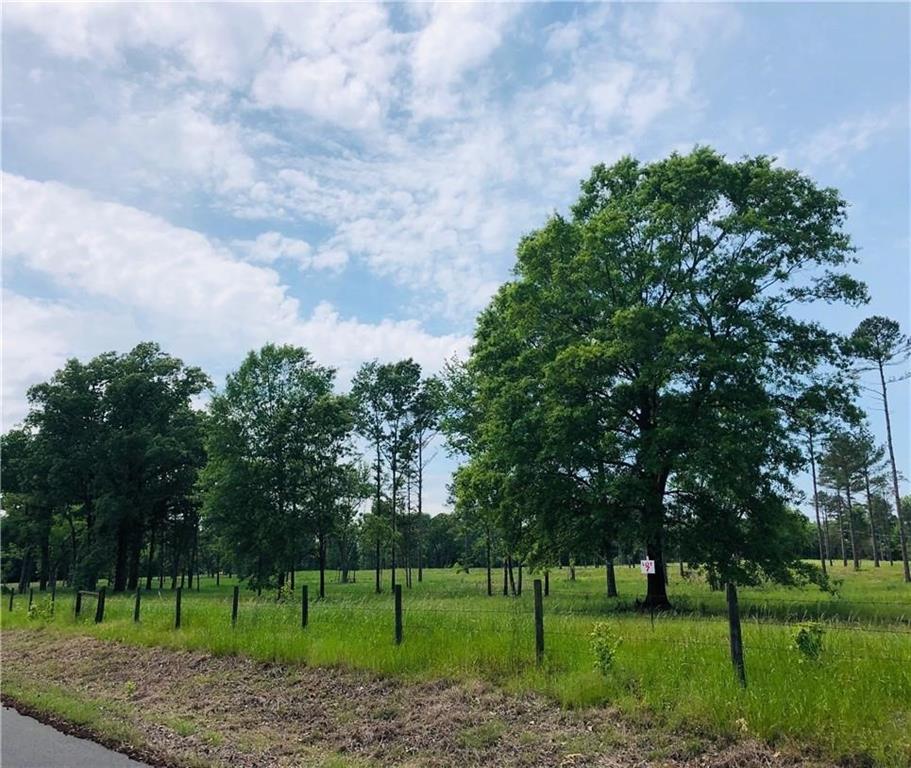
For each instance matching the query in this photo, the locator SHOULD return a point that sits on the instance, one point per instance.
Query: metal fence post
(304, 606)
(539, 622)
(177, 608)
(99, 608)
(398, 614)
(136, 605)
(735, 635)
(234, 606)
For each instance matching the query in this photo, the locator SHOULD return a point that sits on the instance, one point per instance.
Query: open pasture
(853, 703)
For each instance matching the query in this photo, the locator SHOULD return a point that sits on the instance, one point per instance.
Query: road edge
(59, 723)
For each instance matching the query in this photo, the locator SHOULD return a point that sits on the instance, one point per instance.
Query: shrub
(41, 610)
(604, 642)
(808, 640)
(284, 594)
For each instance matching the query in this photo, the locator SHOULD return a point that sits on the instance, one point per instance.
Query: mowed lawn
(853, 704)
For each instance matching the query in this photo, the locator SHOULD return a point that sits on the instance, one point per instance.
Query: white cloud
(336, 64)
(323, 88)
(454, 40)
(178, 146)
(40, 335)
(834, 144)
(216, 46)
(436, 210)
(270, 247)
(125, 275)
(333, 62)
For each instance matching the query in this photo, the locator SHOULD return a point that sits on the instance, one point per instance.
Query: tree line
(647, 384)
(116, 475)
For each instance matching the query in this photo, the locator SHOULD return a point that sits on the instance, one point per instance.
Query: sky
(354, 178)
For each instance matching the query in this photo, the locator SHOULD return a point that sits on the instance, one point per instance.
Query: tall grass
(852, 703)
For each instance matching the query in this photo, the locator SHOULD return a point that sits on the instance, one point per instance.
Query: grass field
(851, 705)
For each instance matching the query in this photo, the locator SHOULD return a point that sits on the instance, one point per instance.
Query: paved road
(26, 743)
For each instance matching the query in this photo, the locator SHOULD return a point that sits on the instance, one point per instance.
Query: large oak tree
(652, 331)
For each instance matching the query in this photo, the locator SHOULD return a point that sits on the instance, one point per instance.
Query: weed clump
(807, 640)
(41, 610)
(604, 642)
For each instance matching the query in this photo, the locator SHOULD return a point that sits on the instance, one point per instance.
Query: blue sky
(354, 178)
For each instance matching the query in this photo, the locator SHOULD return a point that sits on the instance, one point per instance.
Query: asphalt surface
(26, 743)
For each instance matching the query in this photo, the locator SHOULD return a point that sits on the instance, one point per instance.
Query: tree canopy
(637, 370)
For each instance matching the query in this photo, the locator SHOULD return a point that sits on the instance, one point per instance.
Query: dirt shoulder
(180, 708)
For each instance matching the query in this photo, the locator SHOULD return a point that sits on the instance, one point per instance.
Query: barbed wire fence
(529, 629)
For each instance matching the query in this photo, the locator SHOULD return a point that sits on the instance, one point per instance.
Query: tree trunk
(394, 468)
(854, 556)
(420, 508)
(822, 553)
(135, 558)
(611, 578)
(505, 579)
(87, 577)
(379, 503)
(25, 575)
(898, 504)
(45, 562)
(378, 585)
(161, 566)
(195, 553)
(887, 534)
(489, 575)
(512, 578)
(120, 560)
(841, 532)
(175, 564)
(656, 585)
(151, 559)
(872, 519)
(74, 549)
(322, 566)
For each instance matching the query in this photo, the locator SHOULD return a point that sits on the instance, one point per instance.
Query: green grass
(852, 704)
(105, 718)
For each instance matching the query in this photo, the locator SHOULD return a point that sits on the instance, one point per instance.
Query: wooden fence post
(78, 603)
(136, 606)
(99, 607)
(177, 608)
(234, 606)
(736, 637)
(546, 583)
(398, 614)
(539, 623)
(304, 606)
(12, 594)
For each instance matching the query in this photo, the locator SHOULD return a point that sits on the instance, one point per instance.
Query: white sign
(647, 566)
